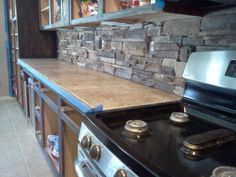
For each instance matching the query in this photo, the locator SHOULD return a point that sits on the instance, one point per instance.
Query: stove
(192, 137)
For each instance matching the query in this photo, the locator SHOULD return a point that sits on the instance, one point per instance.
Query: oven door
(84, 167)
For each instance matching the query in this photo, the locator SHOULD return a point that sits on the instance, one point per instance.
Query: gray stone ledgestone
(136, 33)
(124, 72)
(178, 90)
(118, 34)
(120, 55)
(82, 52)
(105, 32)
(169, 62)
(164, 86)
(108, 68)
(108, 60)
(106, 45)
(220, 40)
(108, 54)
(142, 74)
(185, 52)
(223, 32)
(179, 68)
(135, 48)
(179, 81)
(93, 55)
(219, 22)
(153, 60)
(89, 45)
(166, 54)
(88, 37)
(149, 82)
(100, 66)
(164, 78)
(140, 59)
(213, 48)
(116, 45)
(183, 27)
(122, 63)
(154, 31)
(168, 70)
(192, 40)
(153, 67)
(165, 46)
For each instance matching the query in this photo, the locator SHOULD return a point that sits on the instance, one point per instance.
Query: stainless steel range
(193, 137)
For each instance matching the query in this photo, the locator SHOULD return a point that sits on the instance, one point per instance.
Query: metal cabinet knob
(86, 142)
(95, 152)
(121, 173)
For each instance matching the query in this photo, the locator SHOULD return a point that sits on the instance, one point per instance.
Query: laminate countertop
(93, 87)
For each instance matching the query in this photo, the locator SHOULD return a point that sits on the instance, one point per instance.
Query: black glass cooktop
(160, 149)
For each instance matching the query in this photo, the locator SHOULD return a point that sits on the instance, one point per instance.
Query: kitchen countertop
(93, 88)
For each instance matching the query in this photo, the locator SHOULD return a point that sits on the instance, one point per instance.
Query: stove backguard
(211, 84)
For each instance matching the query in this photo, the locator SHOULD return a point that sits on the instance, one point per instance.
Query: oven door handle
(83, 170)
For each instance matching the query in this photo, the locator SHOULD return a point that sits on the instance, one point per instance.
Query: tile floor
(20, 154)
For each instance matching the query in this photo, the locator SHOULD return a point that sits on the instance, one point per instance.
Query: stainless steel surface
(179, 117)
(86, 142)
(210, 68)
(121, 173)
(136, 126)
(95, 152)
(107, 165)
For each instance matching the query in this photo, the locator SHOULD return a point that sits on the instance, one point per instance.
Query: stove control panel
(100, 158)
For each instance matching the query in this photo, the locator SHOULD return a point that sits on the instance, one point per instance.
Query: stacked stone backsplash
(151, 53)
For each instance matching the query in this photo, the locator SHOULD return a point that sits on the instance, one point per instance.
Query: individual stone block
(82, 52)
(136, 33)
(108, 54)
(116, 45)
(108, 68)
(153, 67)
(154, 31)
(183, 27)
(219, 22)
(169, 62)
(193, 40)
(166, 54)
(164, 86)
(135, 48)
(165, 46)
(93, 55)
(178, 90)
(108, 60)
(88, 37)
(179, 81)
(220, 40)
(179, 68)
(185, 52)
(124, 73)
(164, 77)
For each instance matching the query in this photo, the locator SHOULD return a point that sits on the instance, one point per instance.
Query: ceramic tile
(14, 171)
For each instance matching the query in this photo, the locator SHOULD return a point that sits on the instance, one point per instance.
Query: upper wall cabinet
(64, 13)
(53, 13)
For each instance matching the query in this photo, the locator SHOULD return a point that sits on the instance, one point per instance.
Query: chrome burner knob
(86, 142)
(95, 152)
(121, 173)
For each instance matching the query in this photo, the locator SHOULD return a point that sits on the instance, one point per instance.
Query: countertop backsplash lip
(151, 53)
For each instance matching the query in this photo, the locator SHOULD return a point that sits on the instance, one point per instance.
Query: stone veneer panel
(153, 53)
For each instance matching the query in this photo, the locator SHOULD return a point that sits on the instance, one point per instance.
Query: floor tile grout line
(20, 148)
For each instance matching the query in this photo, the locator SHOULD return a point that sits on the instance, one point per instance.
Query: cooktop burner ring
(136, 126)
(179, 117)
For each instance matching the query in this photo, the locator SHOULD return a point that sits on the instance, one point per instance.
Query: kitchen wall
(151, 53)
